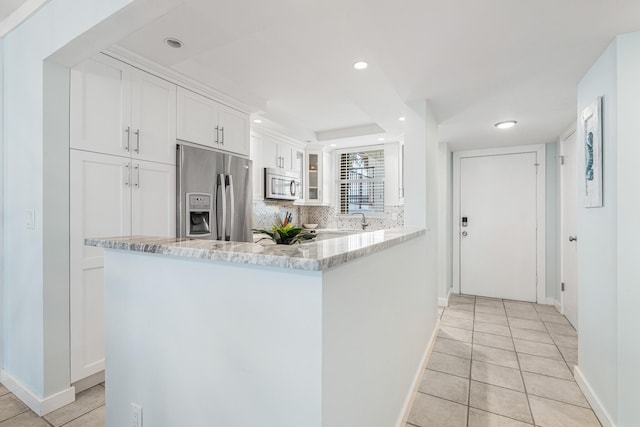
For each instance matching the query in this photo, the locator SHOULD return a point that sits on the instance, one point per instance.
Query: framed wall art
(592, 169)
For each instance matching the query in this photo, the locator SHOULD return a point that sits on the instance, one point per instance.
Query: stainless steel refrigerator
(213, 195)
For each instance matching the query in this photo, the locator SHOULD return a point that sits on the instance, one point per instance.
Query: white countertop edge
(312, 256)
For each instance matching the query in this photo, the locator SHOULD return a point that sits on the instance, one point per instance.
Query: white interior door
(100, 206)
(569, 248)
(498, 244)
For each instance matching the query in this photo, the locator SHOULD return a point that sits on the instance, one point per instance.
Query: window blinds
(361, 181)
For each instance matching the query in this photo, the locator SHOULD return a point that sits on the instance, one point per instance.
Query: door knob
(573, 239)
(464, 233)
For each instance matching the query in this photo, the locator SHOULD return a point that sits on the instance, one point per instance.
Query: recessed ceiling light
(257, 121)
(333, 145)
(506, 125)
(380, 139)
(172, 42)
(360, 65)
(401, 118)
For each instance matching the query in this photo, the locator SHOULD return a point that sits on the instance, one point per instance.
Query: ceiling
(7, 7)
(476, 62)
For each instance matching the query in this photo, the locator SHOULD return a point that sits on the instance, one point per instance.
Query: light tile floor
(495, 363)
(501, 363)
(86, 411)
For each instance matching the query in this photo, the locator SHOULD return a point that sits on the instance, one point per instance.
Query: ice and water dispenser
(198, 214)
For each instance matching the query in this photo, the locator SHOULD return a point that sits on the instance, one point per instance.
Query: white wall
(552, 218)
(445, 217)
(213, 343)
(31, 351)
(2, 180)
(628, 232)
(374, 335)
(421, 189)
(56, 227)
(597, 243)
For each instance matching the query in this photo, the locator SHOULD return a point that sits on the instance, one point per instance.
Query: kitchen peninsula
(202, 332)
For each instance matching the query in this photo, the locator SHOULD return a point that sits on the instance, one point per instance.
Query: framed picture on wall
(592, 170)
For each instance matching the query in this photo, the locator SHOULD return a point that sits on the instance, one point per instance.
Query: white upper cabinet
(197, 118)
(204, 121)
(100, 106)
(234, 130)
(153, 118)
(117, 109)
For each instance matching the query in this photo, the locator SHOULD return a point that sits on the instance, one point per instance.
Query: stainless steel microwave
(281, 185)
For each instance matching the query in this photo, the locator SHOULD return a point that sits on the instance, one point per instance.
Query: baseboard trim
(90, 381)
(444, 302)
(408, 403)
(592, 398)
(41, 406)
(553, 302)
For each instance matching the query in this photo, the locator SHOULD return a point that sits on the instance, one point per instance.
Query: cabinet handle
(128, 132)
(137, 182)
(127, 175)
(217, 135)
(137, 132)
(222, 132)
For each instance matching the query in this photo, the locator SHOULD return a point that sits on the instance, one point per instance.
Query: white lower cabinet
(109, 196)
(153, 199)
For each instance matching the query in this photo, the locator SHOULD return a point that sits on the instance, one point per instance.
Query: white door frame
(539, 150)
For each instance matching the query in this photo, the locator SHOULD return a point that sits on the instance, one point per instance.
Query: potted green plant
(286, 234)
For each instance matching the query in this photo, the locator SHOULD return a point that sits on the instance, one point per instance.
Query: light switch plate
(30, 219)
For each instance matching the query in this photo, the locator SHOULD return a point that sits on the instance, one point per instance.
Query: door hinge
(561, 159)
(562, 286)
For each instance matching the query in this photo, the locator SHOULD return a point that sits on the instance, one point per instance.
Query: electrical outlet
(136, 415)
(30, 219)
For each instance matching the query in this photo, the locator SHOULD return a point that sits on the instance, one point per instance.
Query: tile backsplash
(268, 213)
(265, 214)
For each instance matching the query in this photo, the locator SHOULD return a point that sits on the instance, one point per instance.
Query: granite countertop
(315, 255)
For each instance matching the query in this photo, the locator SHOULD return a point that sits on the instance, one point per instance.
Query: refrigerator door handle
(221, 190)
(232, 207)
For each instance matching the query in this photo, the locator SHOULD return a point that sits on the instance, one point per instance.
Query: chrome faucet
(364, 222)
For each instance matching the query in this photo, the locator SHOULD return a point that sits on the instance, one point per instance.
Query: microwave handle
(232, 209)
(221, 219)
(292, 187)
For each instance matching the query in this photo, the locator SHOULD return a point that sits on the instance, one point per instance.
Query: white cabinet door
(153, 199)
(285, 151)
(153, 117)
(100, 106)
(234, 130)
(100, 206)
(258, 167)
(270, 153)
(197, 119)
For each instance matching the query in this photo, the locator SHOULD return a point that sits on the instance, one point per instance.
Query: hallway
(501, 363)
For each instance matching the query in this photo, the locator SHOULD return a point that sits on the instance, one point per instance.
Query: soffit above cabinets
(476, 62)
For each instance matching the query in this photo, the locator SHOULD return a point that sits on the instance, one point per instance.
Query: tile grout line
(473, 333)
(524, 384)
(85, 414)
(18, 414)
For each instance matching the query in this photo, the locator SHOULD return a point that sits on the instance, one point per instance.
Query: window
(361, 180)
